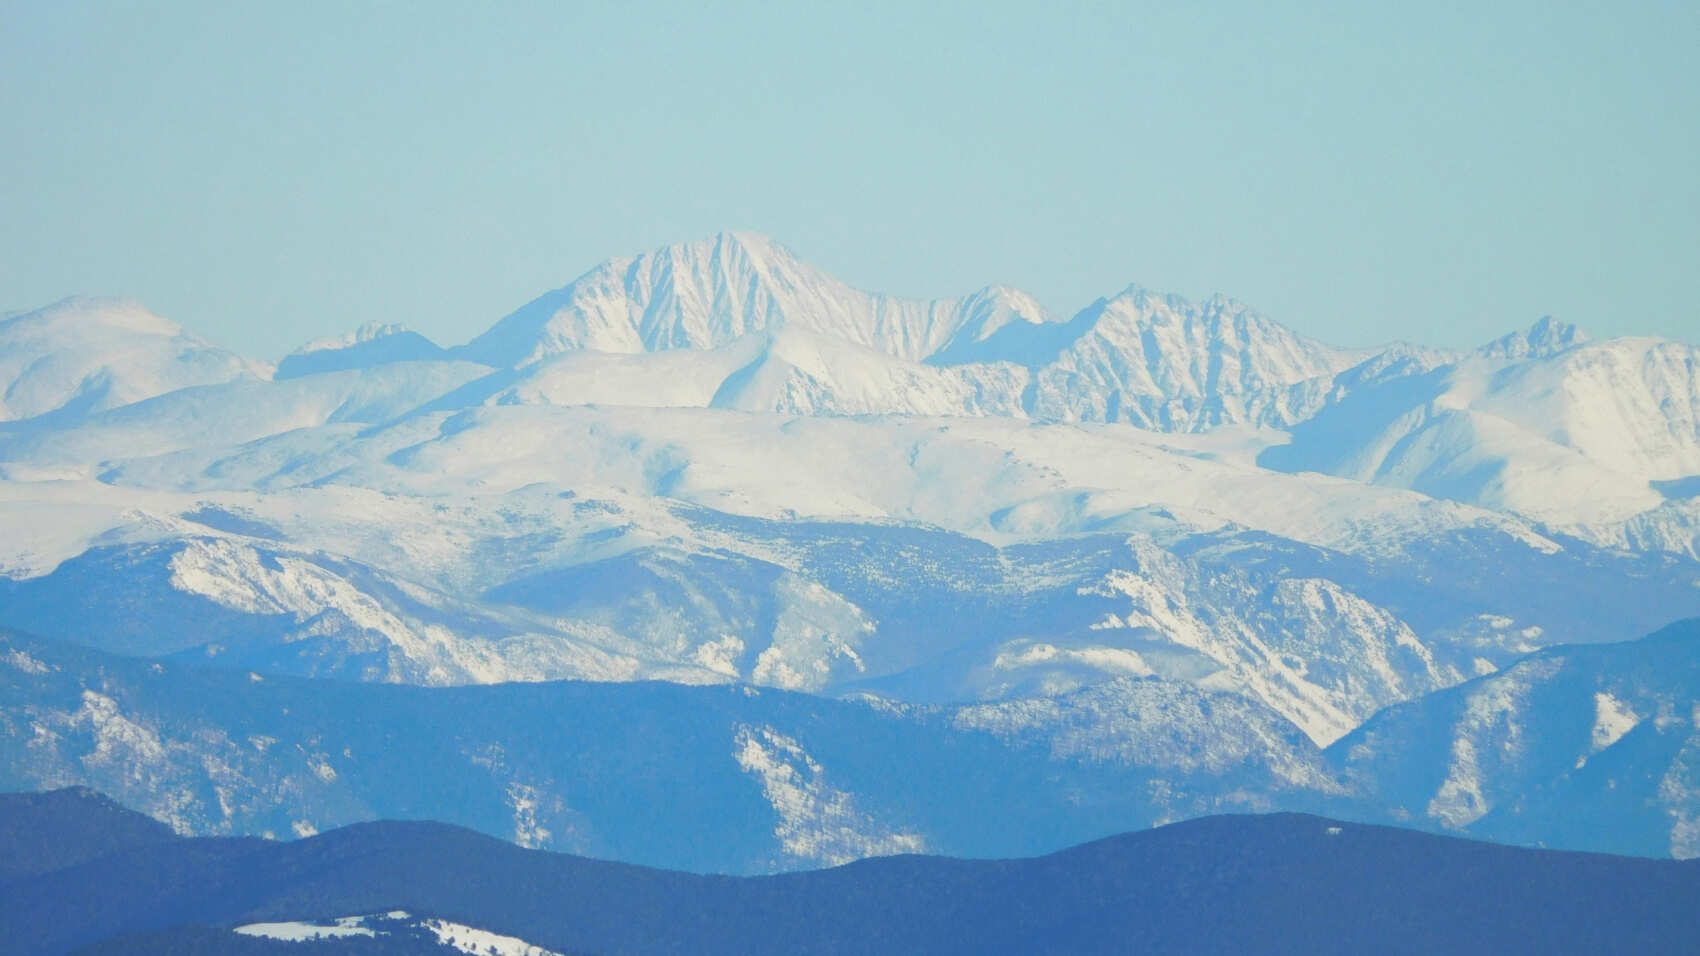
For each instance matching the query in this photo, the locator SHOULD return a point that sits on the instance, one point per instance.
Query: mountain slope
(44, 832)
(245, 604)
(1584, 745)
(775, 780)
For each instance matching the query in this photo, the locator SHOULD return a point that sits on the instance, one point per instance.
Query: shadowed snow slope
(1587, 746)
(374, 344)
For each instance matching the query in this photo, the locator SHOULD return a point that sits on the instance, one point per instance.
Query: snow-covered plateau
(1155, 534)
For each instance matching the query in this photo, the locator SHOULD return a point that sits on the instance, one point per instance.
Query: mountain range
(1153, 560)
(1276, 883)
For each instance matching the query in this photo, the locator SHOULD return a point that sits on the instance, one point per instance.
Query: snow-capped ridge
(708, 293)
(373, 344)
(1150, 359)
(1588, 436)
(1542, 423)
(368, 332)
(84, 355)
(996, 311)
(1161, 362)
(115, 312)
(1546, 337)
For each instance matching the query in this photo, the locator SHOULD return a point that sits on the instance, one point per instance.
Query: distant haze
(1434, 172)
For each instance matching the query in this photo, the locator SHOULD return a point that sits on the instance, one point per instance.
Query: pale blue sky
(1431, 171)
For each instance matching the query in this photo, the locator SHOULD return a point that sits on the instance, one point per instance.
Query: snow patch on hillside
(1487, 735)
(1160, 724)
(816, 822)
(1612, 719)
(482, 942)
(298, 932)
(399, 923)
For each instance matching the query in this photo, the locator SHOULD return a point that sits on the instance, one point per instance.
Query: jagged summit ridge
(1162, 362)
(1141, 357)
(1547, 337)
(375, 343)
(369, 332)
(707, 294)
(1542, 423)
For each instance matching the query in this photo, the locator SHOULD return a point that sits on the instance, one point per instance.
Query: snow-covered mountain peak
(998, 324)
(373, 344)
(730, 256)
(1543, 423)
(1007, 304)
(737, 322)
(1218, 321)
(699, 294)
(710, 293)
(755, 245)
(1131, 357)
(1187, 348)
(84, 319)
(1398, 360)
(1548, 336)
(369, 332)
(89, 354)
(107, 312)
